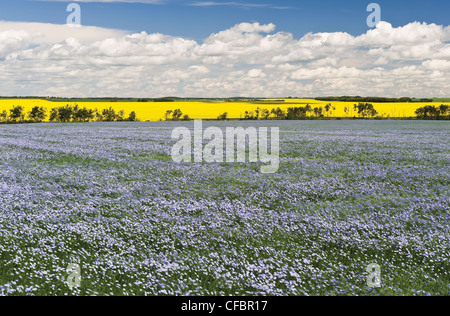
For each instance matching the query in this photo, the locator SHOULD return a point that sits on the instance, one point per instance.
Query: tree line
(372, 99)
(64, 114)
(363, 110)
(360, 110)
(431, 112)
(75, 113)
(176, 115)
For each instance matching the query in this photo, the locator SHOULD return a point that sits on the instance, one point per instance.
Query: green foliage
(37, 114)
(249, 115)
(265, 114)
(82, 114)
(431, 112)
(64, 114)
(4, 116)
(109, 115)
(318, 111)
(365, 110)
(167, 115)
(223, 117)
(17, 114)
(132, 117)
(296, 113)
(176, 115)
(278, 113)
(120, 116)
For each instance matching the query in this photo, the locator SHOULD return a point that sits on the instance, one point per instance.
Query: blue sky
(226, 48)
(184, 18)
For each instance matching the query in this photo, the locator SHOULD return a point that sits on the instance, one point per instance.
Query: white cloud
(248, 59)
(411, 34)
(12, 41)
(256, 73)
(52, 33)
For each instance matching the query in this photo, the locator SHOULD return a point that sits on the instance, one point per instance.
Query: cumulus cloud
(52, 33)
(248, 59)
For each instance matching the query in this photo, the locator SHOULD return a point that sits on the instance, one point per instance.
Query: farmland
(108, 197)
(211, 109)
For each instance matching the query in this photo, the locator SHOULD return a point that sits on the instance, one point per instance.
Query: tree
(308, 108)
(82, 114)
(265, 114)
(296, 113)
(132, 117)
(167, 114)
(365, 110)
(98, 116)
(120, 116)
(177, 114)
(109, 115)
(37, 114)
(432, 112)
(279, 113)
(223, 117)
(444, 110)
(257, 111)
(249, 115)
(53, 115)
(327, 108)
(4, 116)
(318, 111)
(65, 113)
(76, 113)
(16, 114)
(68, 113)
(86, 115)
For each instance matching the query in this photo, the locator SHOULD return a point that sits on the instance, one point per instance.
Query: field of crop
(107, 196)
(154, 111)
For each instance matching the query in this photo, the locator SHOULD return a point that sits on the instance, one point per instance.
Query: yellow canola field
(154, 111)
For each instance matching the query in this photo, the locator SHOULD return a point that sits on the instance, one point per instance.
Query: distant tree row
(292, 113)
(18, 115)
(299, 113)
(372, 99)
(363, 110)
(431, 112)
(64, 114)
(157, 99)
